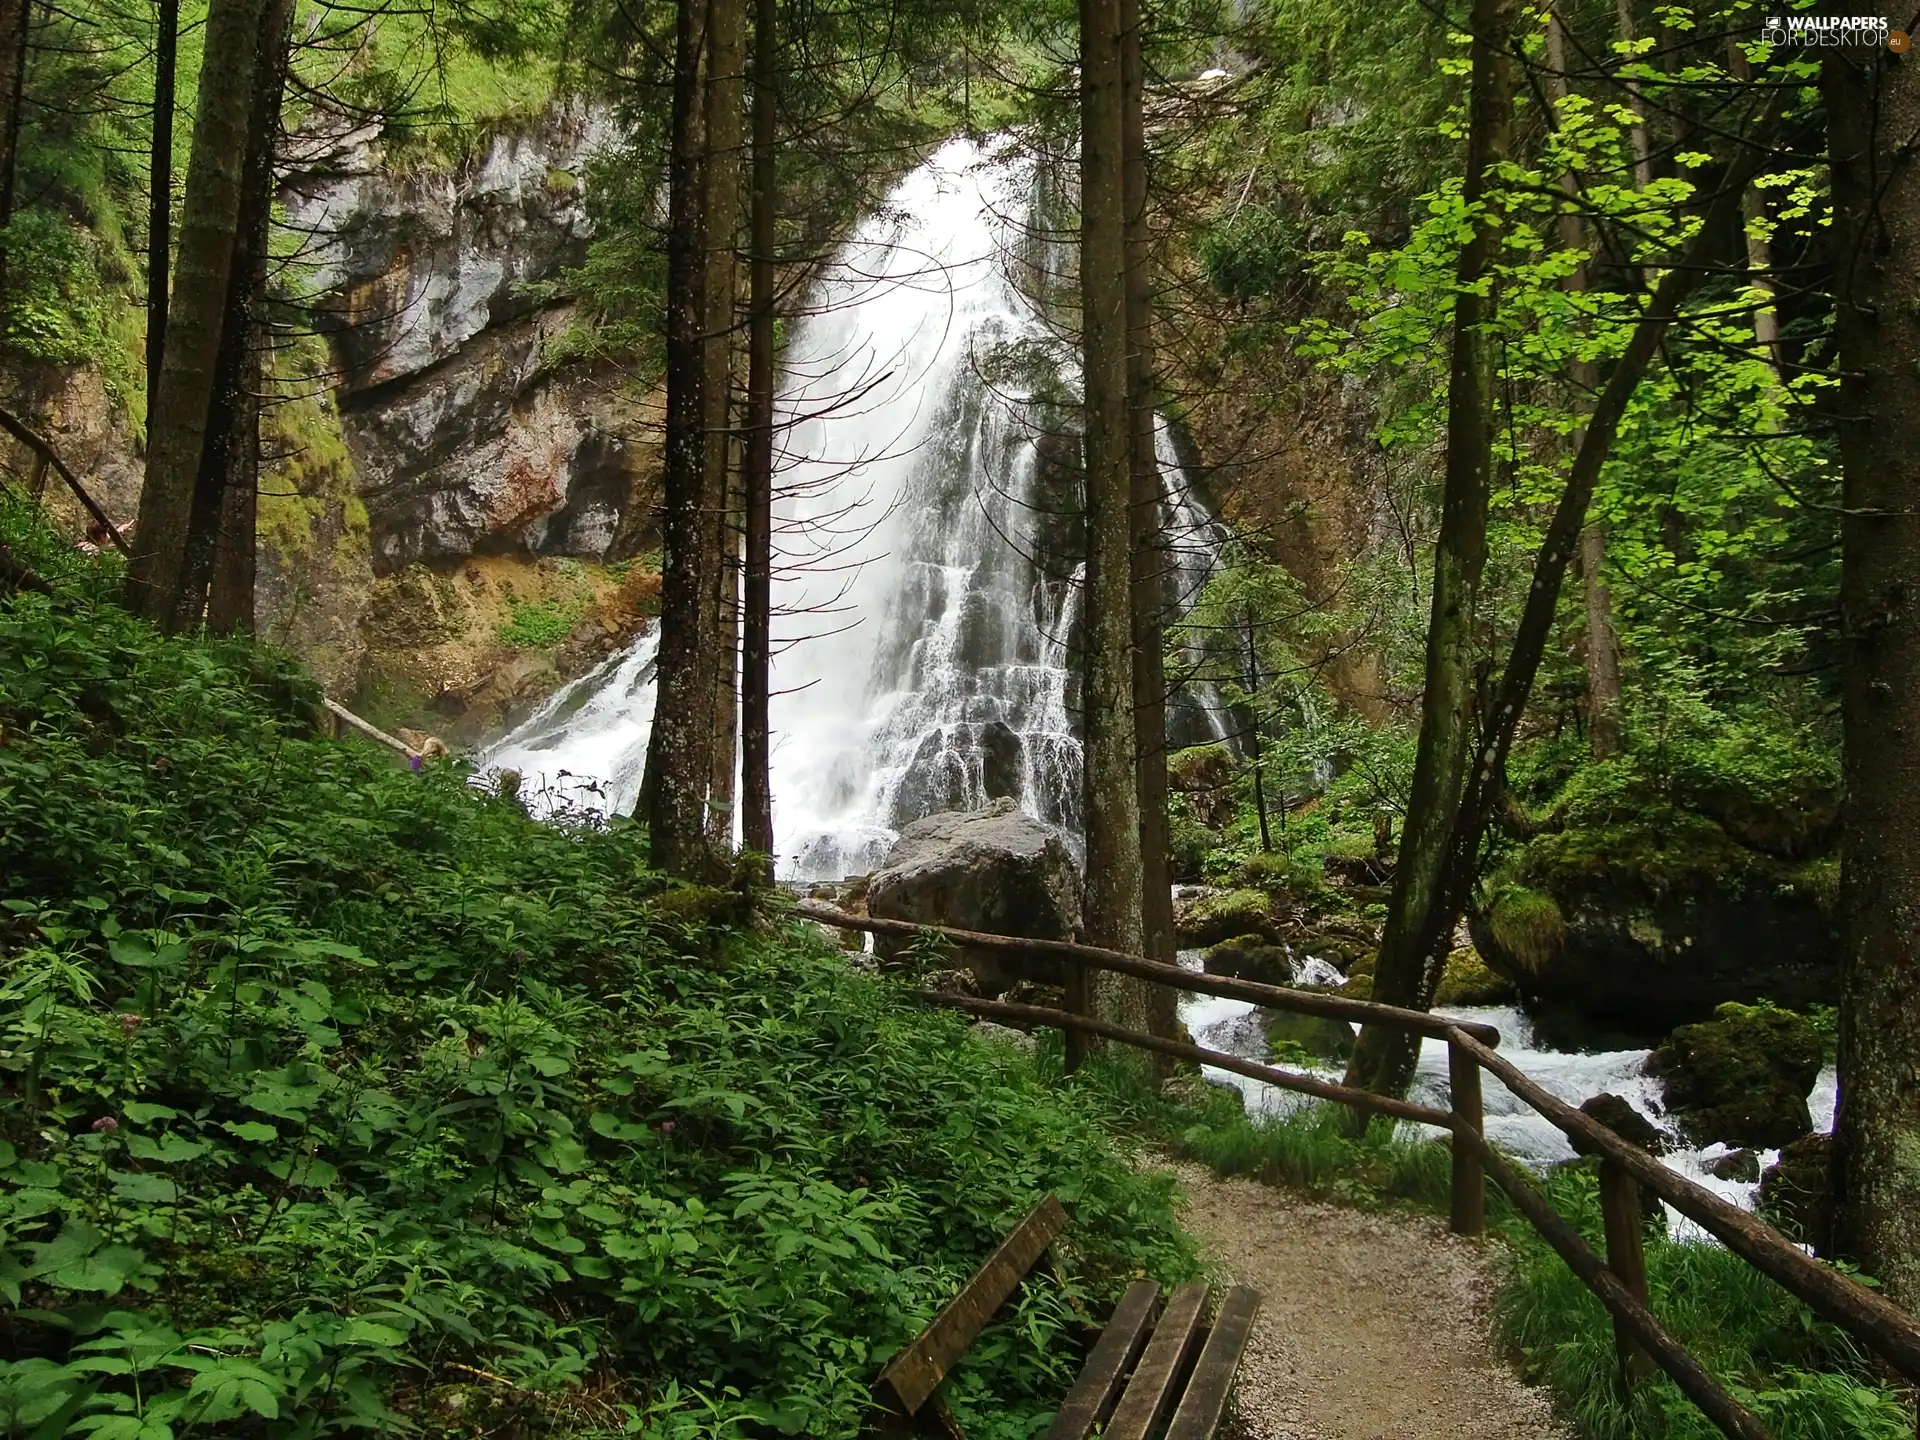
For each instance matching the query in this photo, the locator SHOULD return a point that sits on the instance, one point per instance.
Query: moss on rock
(1221, 915)
(1468, 981)
(1742, 1077)
(1528, 925)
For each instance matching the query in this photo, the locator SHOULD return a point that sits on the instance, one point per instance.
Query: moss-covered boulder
(1294, 1039)
(1210, 916)
(1468, 981)
(1252, 957)
(1634, 923)
(1741, 1078)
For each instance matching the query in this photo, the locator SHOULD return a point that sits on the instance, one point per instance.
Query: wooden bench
(1152, 1363)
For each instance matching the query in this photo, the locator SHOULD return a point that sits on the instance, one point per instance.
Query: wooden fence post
(1469, 1182)
(1076, 1001)
(1626, 1258)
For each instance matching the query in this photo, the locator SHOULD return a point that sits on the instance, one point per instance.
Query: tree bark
(166, 46)
(157, 578)
(1382, 1059)
(1873, 106)
(1766, 319)
(230, 464)
(1625, 33)
(674, 793)
(16, 19)
(756, 470)
(726, 92)
(1112, 807)
(1603, 644)
(1149, 560)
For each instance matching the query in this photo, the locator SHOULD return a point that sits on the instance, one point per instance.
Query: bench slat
(1205, 1402)
(1152, 1387)
(916, 1372)
(1087, 1402)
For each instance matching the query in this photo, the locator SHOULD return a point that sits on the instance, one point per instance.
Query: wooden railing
(1619, 1280)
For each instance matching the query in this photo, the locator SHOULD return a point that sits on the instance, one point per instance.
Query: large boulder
(1252, 957)
(1617, 932)
(994, 870)
(1741, 1078)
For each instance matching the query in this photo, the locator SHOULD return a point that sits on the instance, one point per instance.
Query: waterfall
(926, 585)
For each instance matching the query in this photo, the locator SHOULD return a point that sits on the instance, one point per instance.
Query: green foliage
(1802, 1376)
(346, 1099)
(538, 624)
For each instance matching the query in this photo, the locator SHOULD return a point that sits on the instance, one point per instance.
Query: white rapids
(1234, 1027)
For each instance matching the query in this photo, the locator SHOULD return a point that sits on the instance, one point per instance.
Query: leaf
(167, 1150)
(233, 1386)
(256, 1131)
(141, 1112)
(105, 1272)
(148, 1189)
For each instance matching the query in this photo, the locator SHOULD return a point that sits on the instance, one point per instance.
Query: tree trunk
(1149, 561)
(1383, 1059)
(230, 465)
(1766, 319)
(756, 470)
(166, 46)
(1624, 32)
(1873, 107)
(726, 678)
(16, 19)
(177, 431)
(1603, 643)
(1112, 809)
(677, 769)
(726, 93)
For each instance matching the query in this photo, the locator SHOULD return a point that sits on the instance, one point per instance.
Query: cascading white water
(1234, 1026)
(926, 586)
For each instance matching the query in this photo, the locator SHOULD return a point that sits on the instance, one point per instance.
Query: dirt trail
(1372, 1326)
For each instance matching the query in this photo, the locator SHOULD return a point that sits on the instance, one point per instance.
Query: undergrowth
(345, 1099)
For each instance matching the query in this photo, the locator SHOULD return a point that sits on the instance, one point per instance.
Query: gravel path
(1373, 1326)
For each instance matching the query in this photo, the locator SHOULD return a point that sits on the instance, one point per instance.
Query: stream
(1234, 1027)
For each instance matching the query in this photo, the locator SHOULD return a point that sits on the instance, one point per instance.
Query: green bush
(346, 1099)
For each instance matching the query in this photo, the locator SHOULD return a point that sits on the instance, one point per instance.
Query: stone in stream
(1742, 1166)
(995, 870)
(1252, 957)
(1616, 1112)
(1741, 1078)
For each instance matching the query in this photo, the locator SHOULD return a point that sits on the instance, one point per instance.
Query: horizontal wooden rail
(1029, 1016)
(367, 728)
(1877, 1323)
(1272, 997)
(1699, 1386)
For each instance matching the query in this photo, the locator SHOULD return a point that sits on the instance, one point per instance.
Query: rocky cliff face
(465, 437)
